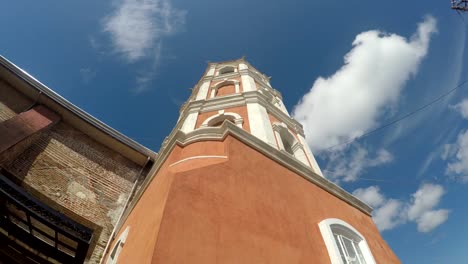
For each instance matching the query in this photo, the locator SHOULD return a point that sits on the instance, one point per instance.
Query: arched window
(225, 87)
(344, 243)
(226, 90)
(218, 120)
(226, 69)
(286, 140)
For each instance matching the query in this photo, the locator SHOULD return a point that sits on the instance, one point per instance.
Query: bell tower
(235, 182)
(236, 92)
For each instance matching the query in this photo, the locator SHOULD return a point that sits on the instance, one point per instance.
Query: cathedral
(234, 182)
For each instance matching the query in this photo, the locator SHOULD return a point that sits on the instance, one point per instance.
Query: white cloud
(431, 219)
(136, 26)
(370, 82)
(349, 165)
(423, 200)
(457, 155)
(370, 195)
(390, 213)
(462, 107)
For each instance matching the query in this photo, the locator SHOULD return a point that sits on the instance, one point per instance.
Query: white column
(259, 122)
(310, 156)
(203, 91)
(211, 71)
(190, 122)
(248, 82)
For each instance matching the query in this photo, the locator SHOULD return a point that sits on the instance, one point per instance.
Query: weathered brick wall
(86, 180)
(11, 101)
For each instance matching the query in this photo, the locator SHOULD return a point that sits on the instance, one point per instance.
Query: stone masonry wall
(85, 180)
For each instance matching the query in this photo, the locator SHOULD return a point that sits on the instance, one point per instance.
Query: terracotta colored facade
(227, 199)
(241, 209)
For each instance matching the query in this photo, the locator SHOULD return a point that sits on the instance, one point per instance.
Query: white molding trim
(238, 120)
(180, 138)
(241, 99)
(259, 122)
(119, 244)
(330, 242)
(222, 83)
(232, 66)
(198, 157)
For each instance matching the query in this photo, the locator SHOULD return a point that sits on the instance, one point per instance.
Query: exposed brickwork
(11, 101)
(24, 125)
(226, 90)
(81, 176)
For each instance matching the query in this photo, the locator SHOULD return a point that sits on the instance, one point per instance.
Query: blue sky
(415, 173)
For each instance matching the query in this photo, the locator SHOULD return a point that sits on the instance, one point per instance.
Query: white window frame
(333, 251)
(237, 119)
(234, 69)
(118, 247)
(215, 87)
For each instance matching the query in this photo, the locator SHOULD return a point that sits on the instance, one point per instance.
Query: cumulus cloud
(370, 195)
(136, 26)
(388, 215)
(348, 103)
(349, 165)
(457, 156)
(419, 209)
(430, 220)
(462, 107)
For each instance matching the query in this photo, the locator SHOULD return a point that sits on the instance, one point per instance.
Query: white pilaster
(310, 156)
(243, 66)
(190, 122)
(211, 71)
(248, 82)
(203, 91)
(260, 125)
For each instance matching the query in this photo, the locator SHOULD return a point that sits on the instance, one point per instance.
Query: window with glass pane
(348, 245)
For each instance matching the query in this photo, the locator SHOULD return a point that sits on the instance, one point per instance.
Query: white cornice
(234, 100)
(219, 134)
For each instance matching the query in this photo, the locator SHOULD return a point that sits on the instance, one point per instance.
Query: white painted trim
(248, 82)
(259, 122)
(330, 242)
(119, 243)
(242, 99)
(238, 120)
(190, 122)
(313, 162)
(203, 91)
(198, 157)
(182, 139)
(211, 70)
(227, 66)
(222, 83)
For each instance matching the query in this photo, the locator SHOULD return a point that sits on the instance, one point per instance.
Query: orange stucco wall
(241, 209)
(241, 110)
